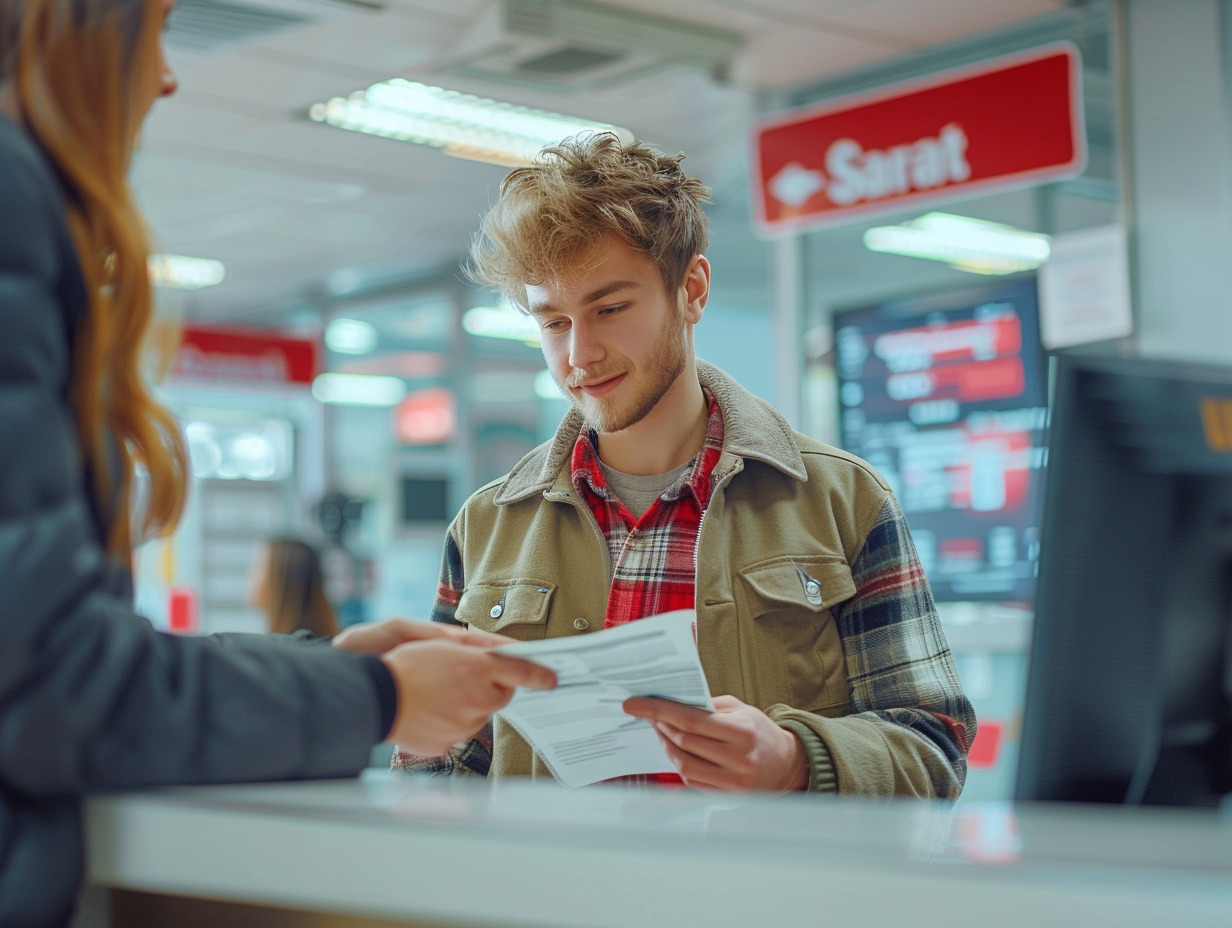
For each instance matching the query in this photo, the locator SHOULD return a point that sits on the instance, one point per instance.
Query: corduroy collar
(752, 429)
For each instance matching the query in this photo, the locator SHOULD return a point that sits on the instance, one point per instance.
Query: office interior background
(334, 252)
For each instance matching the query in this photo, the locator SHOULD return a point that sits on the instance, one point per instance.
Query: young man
(668, 486)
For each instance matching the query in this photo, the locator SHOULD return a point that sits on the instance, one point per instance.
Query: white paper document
(579, 728)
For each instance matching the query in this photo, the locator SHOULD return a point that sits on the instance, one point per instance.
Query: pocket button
(812, 592)
(496, 611)
(581, 624)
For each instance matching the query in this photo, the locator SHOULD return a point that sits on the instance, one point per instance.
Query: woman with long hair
(290, 589)
(91, 696)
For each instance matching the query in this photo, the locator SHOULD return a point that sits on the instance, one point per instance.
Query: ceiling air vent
(208, 25)
(569, 60)
(569, 45)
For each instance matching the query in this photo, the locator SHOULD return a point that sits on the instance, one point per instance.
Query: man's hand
(447, 690)
(379, 637)
(736, 747)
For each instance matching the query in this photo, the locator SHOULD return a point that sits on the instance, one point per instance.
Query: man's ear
(696, 288)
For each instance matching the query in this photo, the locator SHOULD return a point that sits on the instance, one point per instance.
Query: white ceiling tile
(382, 44)
(178, 121)
(789, 58)
(718, 14)
(927, 22)
(253, 83)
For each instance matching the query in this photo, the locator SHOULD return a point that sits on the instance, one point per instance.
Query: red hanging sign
(1008, 122)
(248, 357)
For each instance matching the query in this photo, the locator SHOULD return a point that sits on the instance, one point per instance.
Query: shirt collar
(587, 476)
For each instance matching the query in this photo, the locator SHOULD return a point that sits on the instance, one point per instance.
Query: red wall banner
(1007, 122)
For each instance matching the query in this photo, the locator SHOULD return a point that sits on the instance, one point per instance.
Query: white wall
(1180, 175)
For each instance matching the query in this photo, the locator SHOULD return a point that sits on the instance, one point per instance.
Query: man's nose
(584, 349)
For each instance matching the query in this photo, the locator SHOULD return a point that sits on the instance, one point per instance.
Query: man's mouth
(600, 386)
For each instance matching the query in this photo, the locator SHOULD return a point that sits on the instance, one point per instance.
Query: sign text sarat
(1008, 122)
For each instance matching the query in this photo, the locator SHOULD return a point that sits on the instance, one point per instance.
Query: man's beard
(662, 368)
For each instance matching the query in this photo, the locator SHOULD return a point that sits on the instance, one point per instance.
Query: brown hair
(579, 192)
(294, 589)
(75, 66)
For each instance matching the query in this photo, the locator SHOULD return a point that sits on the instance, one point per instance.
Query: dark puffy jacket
(92, 698)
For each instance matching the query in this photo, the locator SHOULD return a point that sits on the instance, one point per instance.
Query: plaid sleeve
(899, 666)
(467, 758)
(451, 583)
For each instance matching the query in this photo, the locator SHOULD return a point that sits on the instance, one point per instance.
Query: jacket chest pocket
(517, 608)
(795, 651)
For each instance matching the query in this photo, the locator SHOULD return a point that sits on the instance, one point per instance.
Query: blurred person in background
(669, 486)
(92, 697)
(289, 587)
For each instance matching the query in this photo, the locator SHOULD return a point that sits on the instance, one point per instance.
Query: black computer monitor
(1129, 692)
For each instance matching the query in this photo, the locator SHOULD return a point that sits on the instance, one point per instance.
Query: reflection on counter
(405, 849)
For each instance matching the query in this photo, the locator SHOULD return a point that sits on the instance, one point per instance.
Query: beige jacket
(863, 677)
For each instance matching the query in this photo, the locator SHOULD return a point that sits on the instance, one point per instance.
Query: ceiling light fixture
(350, 336)
(358, 389)
(966, 244)
(184, 273)
(459, 124)
(502, 321)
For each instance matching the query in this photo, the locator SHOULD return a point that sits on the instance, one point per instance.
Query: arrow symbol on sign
(795, 183)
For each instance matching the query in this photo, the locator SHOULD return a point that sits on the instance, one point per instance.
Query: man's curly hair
(579, 192)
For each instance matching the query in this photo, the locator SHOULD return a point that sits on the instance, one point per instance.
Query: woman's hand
(379, 637)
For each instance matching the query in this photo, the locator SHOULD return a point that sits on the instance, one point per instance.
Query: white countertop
(394, 846)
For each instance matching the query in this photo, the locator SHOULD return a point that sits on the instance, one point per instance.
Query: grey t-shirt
(639, 492)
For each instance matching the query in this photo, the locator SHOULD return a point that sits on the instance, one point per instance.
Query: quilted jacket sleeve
(91, 696)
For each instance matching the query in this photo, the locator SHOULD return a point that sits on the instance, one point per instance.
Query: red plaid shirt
(653, 559)
(653, 566)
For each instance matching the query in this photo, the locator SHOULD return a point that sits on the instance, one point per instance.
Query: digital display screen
(946, 396)
(425, 499)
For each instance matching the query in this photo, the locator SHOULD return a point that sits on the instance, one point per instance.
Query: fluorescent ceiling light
(359, 389)
(458, 123)
(185, 273)
(503, 321)
(350, 336)
(966, 244)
